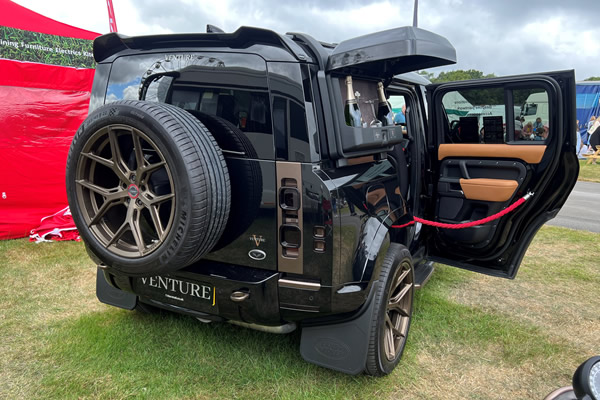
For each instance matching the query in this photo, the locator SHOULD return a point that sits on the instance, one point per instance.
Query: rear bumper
(211, 289)
(219, 291)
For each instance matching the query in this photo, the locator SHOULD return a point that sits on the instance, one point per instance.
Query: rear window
(230, 86)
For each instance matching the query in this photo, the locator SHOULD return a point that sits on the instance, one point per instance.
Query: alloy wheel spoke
(139, 154)
(148, 169)
(94, 188)
(389, 344)
(134, 224)
(391, 326)
(161, 199)
(119, 166)
(122, 229)
(397, 308)
(156, 220)
(120, 194)
(401, 278)
(107, 205)
(395, 300)
(388, 321)
(396, 327)
(101, 160)
(403, 325)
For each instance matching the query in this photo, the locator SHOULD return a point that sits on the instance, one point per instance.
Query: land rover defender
(250, 177)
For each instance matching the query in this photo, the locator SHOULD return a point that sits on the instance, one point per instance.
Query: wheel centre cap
(133, 191)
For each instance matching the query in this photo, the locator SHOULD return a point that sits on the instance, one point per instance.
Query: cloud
(501, 37)
(131, 92)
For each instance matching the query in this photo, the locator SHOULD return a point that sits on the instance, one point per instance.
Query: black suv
(250, 177)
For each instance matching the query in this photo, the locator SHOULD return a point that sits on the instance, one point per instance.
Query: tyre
(393, 311)
(148, 187)
(244, 174)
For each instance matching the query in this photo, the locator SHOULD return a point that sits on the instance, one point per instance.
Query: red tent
(46, 74)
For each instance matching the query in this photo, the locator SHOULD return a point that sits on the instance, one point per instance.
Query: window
(231, 86)
(249, 111)
(483, 115)
(398, 104)
(534, 116)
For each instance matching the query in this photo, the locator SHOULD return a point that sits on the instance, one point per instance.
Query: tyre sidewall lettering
(178, 233)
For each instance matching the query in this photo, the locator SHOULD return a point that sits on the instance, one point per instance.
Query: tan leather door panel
(531, 154)
(488, 189)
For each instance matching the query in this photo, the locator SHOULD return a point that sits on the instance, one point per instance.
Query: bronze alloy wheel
(393, 303)
(125, 190)
(148, 187)
(398, 311)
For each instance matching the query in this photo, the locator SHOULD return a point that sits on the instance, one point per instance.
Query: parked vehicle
(536, 106)
(254, 177)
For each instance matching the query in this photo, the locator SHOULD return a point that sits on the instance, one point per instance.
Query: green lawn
(472, 337)
(589, 172)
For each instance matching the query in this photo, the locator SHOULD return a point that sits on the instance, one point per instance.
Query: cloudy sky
(504, 37)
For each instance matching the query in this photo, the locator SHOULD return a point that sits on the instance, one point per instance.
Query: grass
(472, 337)
(589, 172)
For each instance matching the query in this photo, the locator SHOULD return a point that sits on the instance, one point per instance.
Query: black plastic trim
(113, 43)
(320, 53)
(108, 294)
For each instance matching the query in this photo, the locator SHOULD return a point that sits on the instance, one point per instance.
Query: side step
(423, 272)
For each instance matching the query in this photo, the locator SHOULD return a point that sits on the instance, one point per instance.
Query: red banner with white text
(46, 74)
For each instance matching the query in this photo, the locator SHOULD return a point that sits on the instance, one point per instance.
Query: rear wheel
(148, 187)
(393, 305)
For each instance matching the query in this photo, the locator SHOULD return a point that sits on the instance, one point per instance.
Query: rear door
(485, 156)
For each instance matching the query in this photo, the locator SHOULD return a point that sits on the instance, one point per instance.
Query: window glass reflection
(481, 116)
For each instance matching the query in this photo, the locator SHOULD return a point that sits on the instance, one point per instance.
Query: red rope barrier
(468, 224)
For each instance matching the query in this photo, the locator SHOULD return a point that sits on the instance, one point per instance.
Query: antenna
(415, 12)
(213, 29)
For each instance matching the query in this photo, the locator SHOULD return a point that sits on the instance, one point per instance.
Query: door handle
(463, 169)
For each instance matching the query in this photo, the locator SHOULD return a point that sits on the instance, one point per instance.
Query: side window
(534, 117)
(400, 106)
(289, 103)
(496, 115)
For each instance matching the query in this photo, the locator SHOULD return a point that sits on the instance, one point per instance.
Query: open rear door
(492, 141)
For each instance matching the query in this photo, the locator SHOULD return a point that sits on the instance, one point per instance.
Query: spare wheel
(148, 187)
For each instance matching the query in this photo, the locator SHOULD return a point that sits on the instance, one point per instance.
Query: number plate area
(179, 292)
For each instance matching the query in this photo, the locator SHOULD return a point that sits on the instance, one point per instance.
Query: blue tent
(588, 103)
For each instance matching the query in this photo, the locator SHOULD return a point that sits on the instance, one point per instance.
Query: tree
(460, 75)
(593, 78)
(428, 75)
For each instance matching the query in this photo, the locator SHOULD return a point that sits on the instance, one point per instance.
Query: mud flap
(342, 347)
(112, 296)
